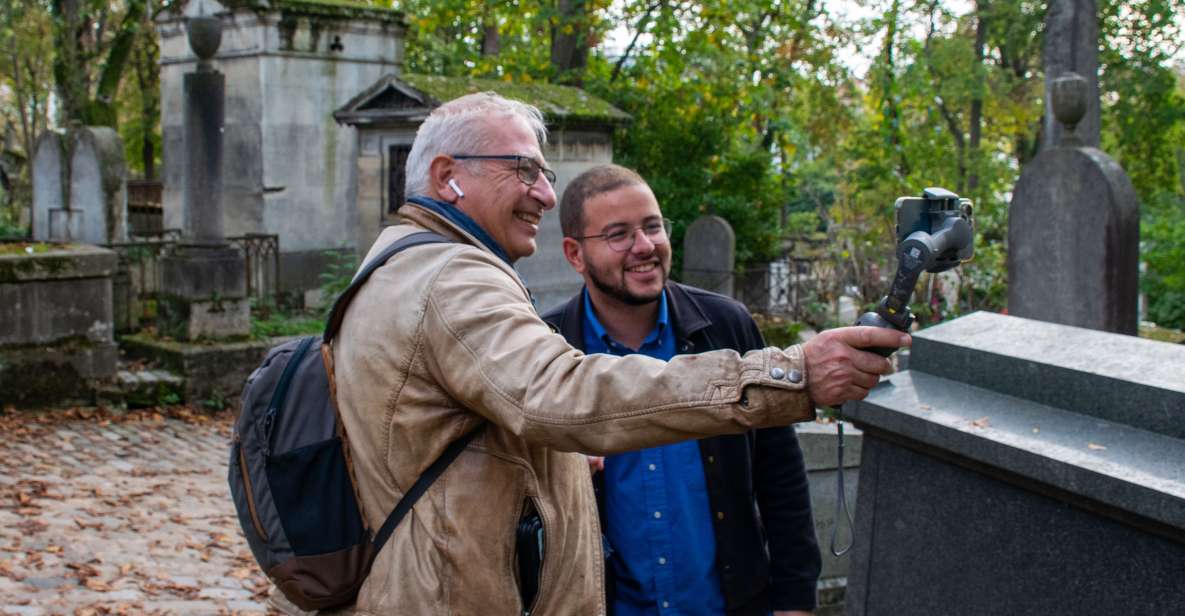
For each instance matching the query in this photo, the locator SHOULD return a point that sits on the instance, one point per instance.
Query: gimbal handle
(919, 253)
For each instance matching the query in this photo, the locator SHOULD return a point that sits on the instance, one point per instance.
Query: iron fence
(800, 284)
(137, 282)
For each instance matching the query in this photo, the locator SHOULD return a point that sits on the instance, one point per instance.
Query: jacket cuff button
(777, 373)
(794, 376)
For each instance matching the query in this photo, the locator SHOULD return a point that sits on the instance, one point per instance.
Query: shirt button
(777, 373)
(662, 560)
(794, 376)
(653, 467)
(666, 604)
(719, 515)
(657, 515)
(711, 459)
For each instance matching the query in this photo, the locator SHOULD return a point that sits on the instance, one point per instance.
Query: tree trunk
(890, 110)
(569, 41)
(491, 43)
(976, 119)
(68, 68)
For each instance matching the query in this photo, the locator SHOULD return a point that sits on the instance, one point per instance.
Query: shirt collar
(601, 334)
(454, 215)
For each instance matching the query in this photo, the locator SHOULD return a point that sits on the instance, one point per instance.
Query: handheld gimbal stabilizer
(934, 234)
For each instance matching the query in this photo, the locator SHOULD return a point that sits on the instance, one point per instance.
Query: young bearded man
(721, 525)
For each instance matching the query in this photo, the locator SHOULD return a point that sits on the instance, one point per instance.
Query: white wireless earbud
(457, 189)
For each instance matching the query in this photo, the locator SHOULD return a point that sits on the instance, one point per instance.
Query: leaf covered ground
(121, 514)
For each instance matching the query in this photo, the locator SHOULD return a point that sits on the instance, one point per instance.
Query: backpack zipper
(250, 490)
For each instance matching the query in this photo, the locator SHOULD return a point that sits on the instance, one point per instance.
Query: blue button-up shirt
(658, 519)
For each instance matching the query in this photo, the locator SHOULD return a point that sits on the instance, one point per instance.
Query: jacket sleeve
(784, 499)
(483, 342)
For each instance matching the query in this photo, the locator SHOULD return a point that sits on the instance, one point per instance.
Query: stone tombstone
(49, 181)
(1072, 46)
(80, 186)
(56, 337)
(1022, 467)
(203, 282)
(709, 255)
(98, 187)
(1074, 230)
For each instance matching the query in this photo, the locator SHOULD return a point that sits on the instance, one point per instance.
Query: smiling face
(495, 198)
(635, 277)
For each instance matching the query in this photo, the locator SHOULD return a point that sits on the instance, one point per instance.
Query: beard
(621, 292)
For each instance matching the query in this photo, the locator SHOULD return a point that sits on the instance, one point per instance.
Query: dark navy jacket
(756, 479)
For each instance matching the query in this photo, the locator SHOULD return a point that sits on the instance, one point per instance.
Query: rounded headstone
(1073, 242)
(709, 255)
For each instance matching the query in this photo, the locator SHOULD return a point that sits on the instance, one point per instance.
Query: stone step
(140, 388)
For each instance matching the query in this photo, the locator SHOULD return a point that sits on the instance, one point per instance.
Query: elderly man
(739, 539)
(444, 339)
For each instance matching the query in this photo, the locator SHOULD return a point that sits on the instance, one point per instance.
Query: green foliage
(779, 332)
(340, 267)
(1163, 251)
(278, 323)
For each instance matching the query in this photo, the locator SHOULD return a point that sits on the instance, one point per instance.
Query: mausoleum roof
(334, 9)
(410, 98)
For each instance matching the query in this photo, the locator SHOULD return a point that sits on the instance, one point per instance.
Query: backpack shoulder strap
(420, 486)
(336, 315)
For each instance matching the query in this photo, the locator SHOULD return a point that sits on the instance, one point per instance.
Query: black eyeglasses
(622, 238)
(525, 167)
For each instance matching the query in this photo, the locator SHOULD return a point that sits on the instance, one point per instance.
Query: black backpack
(290, 471)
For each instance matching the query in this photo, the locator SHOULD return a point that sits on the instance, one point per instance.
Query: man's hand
(838, 371)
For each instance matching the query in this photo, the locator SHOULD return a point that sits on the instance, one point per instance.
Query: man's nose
(642, 244)
(544, 192)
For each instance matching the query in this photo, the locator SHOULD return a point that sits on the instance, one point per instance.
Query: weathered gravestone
(80, 187)
(1074, 230)
(1023, 467)
(204, 284)
(56, 337)
(709, 255)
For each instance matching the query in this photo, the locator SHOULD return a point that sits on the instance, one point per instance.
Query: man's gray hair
(458, 127)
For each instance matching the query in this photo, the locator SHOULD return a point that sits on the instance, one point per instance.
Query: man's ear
(574, 253)
(440, 171)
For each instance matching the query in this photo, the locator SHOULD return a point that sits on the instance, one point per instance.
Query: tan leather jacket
(443, 338)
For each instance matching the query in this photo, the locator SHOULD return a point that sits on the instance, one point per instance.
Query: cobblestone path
(121, 515)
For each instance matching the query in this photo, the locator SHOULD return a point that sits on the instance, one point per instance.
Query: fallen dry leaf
(241, 573)
(982, 422)
(96, 584)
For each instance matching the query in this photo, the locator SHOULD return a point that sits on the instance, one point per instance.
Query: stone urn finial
(1069, 103)
(205, 35)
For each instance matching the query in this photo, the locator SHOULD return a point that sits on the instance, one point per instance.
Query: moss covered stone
(561, 104)
(24, 262)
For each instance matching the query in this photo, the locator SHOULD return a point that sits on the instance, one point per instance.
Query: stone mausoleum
(318, 110)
